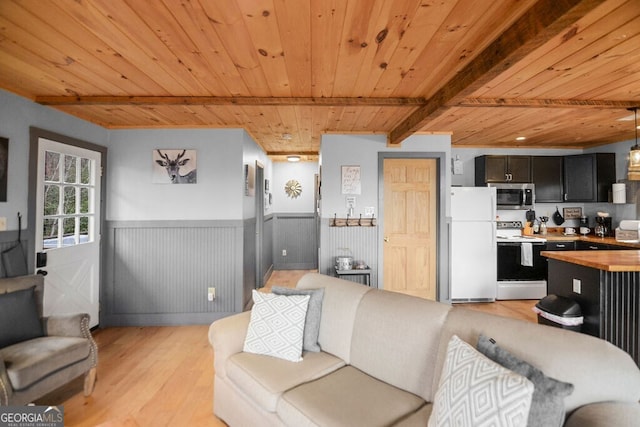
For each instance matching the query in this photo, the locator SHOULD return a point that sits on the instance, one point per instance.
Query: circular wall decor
(293, 188)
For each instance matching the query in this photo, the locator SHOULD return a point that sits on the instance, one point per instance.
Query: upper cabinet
(547, 175)
(492, 169)
(588, 177)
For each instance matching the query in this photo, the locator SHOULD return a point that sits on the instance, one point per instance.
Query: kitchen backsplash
(617, 212)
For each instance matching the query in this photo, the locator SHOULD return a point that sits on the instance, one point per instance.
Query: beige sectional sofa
(382, 357)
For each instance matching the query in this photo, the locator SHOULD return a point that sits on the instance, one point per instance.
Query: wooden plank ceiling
(562, 73)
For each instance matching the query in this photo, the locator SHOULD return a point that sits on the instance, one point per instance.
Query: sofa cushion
(29, 361)
(341, 300)
(616, 414)
(314, 314)
(19, 319)
(565, 355)
(347, 397)
(276, 326)
(264, 378)
(476, 391)
(547, 405)
(396, 338)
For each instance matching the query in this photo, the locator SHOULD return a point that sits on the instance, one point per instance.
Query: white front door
(67, 227)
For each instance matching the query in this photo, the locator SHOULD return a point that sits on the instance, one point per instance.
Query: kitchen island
(606, 284)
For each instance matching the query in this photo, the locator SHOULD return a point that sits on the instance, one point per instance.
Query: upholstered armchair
(39, 354)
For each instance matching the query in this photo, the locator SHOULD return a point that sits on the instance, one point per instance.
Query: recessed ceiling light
(521, 138)
(286, 136)
(293, 158)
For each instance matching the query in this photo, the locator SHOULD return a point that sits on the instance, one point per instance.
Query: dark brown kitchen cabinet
(492, 169)
(588, 177)
(547, 176)
(568, 245)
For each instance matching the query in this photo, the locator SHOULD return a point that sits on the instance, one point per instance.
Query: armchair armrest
(67, 325)
(603, 414)
(71, 325)
(227, 337)
(6, 391)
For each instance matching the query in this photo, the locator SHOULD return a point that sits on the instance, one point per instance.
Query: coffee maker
(603, 226)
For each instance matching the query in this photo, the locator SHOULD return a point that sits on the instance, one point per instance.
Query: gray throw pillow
(547, 405)
(314, 313)
(19, 319)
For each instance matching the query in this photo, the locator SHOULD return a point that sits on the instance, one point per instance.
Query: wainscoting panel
(267, 248)
(159, 272)
(295, 233)
(359, 242)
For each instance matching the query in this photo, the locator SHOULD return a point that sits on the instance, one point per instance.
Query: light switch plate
(577, 286)
(3, 223)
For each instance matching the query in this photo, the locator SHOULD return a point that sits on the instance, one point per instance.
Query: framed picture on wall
(4, 161)
(350, 179)
(176, 166)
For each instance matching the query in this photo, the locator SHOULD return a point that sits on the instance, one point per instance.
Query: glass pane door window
(68, 208)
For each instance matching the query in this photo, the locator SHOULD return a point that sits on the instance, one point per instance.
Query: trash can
(560, 312)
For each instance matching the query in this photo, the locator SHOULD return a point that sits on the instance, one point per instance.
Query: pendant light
(634, 154)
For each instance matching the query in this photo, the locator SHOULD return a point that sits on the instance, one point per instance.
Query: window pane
(51, 199)
(70, 169)
(69, 238)
(84, 229)
(84, 200)
(69, 200)
(50, 234)
(51, 166)
(85, 171)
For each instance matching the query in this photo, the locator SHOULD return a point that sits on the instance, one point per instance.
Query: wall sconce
(634, 153)
(294, 159)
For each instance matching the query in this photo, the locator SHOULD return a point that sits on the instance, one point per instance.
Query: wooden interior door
(410, 227)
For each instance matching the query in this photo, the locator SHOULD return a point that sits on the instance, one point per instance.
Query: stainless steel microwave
(514, 196)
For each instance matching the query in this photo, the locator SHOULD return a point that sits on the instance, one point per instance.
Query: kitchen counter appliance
(521, 270)
(514, 196)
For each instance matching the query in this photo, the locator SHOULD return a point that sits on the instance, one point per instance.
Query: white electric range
(522, 271)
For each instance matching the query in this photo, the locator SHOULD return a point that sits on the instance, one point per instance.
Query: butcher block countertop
(607, 260)
(560, 237)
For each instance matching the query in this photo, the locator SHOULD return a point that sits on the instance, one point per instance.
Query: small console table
(366, 272)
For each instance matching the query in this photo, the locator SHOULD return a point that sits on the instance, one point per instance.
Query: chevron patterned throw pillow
(476, 391)
(276, 327)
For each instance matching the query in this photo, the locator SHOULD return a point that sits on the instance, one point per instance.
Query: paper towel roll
(619, 193)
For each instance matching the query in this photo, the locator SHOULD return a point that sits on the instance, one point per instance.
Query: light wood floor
(163, 376)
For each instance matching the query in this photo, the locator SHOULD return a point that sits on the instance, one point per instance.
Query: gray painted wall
(364, 150)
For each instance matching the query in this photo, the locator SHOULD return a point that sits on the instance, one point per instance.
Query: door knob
(42, 272)
(386, 239)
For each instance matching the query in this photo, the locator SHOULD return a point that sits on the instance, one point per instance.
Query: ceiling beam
(543, 21)
(226, 101)
(292, 153)
(545, 103)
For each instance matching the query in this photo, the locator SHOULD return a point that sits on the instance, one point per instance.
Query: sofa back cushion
(341, 299)
(598, 370)
(396, 338)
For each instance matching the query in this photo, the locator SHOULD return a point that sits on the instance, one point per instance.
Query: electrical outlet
(369, 211)
(577, 286)
(3, 223)
(211, 295)
(284, 252)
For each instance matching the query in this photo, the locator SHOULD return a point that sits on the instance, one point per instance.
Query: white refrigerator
(473, 256)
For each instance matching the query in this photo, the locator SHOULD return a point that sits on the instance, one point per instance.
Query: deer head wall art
(175, 166)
